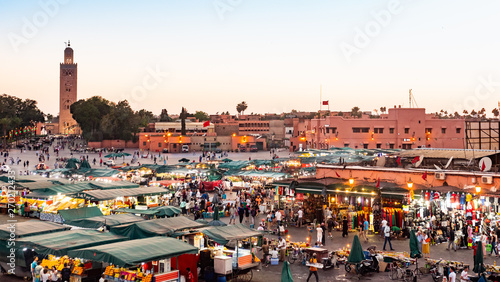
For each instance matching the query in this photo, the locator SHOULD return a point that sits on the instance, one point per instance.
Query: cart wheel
(348, 268)
(245, 277)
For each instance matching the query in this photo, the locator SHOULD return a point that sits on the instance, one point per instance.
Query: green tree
(145, 117)
(164, 116)
(355, 112)
(121, 122)
(241, 107)
(201, 116)
(495, 112)
(15, 112)
(89, 115)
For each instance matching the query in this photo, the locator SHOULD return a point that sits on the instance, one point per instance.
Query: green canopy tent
(286, 273)
(226, 160)
(100, 172)
(183, 160)
(72, 214)
(160, 211)
(113, 184)
(85, 164)
(223, 234)
(134, 252)
(112, 155)
(155, 227)
(29, 228)
(96, 222)
(202, 221)
(110, 194)
(478, 259)
(414, 249)
(356, 255)
(58, 244)
(72, 163)
(59, 189)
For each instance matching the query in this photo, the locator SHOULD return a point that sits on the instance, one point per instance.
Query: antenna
(412, 100)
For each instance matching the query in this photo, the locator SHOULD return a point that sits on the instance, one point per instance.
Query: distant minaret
(67, 93)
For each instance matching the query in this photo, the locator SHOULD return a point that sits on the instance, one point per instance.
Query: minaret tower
(67, 93)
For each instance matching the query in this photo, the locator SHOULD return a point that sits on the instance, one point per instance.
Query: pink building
(401, 128)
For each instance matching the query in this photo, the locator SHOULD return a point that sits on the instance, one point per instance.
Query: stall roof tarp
(113, 185)
(103, 195)
(28, 228)
(447, 153)
(85, 212)
(235, 165)
(58, 244)
(99, 172)
(104, 220)
(134, 252)
(223, 234)
(158, 211)
(155, 227)
(63, 189)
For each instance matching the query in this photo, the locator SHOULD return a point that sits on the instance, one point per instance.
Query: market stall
(160, 211)
(141, 258)
(102, 221)
(156, 227)
(20, 259)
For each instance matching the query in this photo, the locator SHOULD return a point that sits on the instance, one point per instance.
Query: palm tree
(241, 107)
(495, 112)
(355, 112)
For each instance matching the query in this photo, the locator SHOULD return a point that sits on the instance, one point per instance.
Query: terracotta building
(67, 93)
(400, 128)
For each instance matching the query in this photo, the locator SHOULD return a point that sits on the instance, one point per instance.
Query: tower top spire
(68, 53)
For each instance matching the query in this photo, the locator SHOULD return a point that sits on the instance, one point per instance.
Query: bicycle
(398, 270)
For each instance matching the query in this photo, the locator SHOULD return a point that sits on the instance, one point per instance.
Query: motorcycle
(435, 273)
(367, 266)
(330, 261)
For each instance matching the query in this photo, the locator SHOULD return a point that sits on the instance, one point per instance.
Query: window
(407, 146)
(458, 130)
(360, 129)
(144, 143)
(391, 130)
(443, 130)
(391, 146)
(407, 130)
(346, 144)
(67, 107)
(332, 129)
(378, 130)
(428, 130)
(159, 144)
(379, 145)
(365, 146)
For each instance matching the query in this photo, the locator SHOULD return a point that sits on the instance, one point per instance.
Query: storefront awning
(104, 220)
(155, 227)
(28, 228)
(223, 234)
(110, 194)
(58, 244)
(134, 252)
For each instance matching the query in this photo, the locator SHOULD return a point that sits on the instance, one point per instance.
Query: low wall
(114, 144)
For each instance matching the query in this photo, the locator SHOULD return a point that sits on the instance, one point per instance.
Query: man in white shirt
(465, 275)
(384, 223)
(301, 214)
(278, 217)
(319, 234)
(282, 247)
(452, 276)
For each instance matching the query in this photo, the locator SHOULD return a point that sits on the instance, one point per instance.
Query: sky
(276, 55)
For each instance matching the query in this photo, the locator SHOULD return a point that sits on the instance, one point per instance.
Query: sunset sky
(272, 54)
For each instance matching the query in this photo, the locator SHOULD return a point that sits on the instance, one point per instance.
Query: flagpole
(320, 101)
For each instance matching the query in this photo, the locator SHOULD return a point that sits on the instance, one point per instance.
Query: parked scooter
(371, 265)
(436, 274)
(330, 261)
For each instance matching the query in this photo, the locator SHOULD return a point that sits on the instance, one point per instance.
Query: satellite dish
(493, 189)
(420, 160)
(485, 164)
(437, 167)
(448, 163)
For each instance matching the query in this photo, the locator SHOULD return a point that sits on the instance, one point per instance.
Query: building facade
(401, 128)
(67, 93)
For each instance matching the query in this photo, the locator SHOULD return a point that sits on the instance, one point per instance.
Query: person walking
(282, 248)
(387, 235)
(241, 213)
(232, 214)
(366, 225)
(312, 269)
(425, 245)
(300, 214)
(451, 240)
(310, 229)
(344, 227)
(330, 224)
(319, 234)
